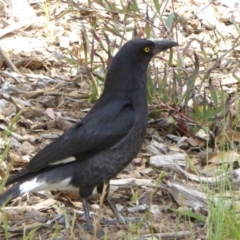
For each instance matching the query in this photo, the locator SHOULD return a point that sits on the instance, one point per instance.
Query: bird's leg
(120, 219)
(118, 216)
(90, 228)
(87, 215)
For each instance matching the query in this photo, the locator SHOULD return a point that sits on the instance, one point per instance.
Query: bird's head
(128, 68)
(142, 50)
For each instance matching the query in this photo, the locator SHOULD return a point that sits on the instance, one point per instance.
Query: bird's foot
(99, 233)
(134, 220)
(83, 232)
(120, 221)
(90, 229)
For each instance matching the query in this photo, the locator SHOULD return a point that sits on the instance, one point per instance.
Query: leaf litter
(61, 52)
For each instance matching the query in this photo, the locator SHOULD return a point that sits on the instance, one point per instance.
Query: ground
(60, 51)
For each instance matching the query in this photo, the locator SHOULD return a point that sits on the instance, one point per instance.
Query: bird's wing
(100, 130)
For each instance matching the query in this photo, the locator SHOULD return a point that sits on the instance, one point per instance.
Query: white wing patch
(34, 185)
(63, 161)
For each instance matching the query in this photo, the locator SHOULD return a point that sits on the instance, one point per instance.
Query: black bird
(100, 146)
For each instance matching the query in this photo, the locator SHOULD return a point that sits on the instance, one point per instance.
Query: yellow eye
(146, 49)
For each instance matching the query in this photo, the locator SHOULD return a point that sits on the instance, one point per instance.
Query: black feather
(106, 140)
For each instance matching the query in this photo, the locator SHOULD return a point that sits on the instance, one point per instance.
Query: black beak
(162, 45)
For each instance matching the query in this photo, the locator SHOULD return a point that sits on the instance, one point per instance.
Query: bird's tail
(20, 176)
(38, 182)
(10, 194)
(17, 189)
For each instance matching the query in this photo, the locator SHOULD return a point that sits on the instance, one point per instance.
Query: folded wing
(103, 129)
